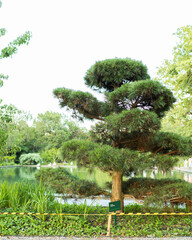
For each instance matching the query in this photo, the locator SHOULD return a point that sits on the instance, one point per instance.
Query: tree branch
(158, 150)
(169, 153)
(88, 114)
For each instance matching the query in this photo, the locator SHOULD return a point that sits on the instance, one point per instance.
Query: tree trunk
(116, 193)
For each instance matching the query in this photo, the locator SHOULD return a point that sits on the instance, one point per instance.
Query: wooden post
(109, 226)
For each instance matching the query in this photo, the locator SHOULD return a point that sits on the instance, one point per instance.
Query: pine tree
(127, 137)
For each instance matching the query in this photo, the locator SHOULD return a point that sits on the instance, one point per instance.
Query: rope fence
(99, 214)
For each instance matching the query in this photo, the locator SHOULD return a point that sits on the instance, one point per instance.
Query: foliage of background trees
(177, 74)
(45, 135)
(127, 137)
(30, 159)
(7, 112)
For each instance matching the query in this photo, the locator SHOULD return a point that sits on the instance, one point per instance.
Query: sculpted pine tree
(127, 137)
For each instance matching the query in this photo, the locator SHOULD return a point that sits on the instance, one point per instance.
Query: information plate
(114, 206)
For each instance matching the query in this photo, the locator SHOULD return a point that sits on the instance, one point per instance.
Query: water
(18, 174)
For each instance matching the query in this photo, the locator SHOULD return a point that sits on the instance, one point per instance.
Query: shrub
(8, 160)
(30, 159)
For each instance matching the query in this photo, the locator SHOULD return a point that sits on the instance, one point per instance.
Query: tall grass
(25, 196)
(28, 197)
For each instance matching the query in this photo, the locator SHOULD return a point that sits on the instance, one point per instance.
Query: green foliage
(49, 131)
(63, 182)
(110, 159)
(96, 226)
(83, 104)
(77, 150)
(52, 129)
(178, 120)
(135, 125)
(30, 159)
(177, 74)
(24, 137)
(112, 73)
(6, 126)
(157, 193)
(177, 71)
(172, 143)
(8, 160)
(8, 111)
(35, 198)
(148, 95)
(50, 155)
(128, 136)
(107, 158)
(25, 197)
(12, 47)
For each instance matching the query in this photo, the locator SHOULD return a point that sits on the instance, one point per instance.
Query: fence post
(109, 226)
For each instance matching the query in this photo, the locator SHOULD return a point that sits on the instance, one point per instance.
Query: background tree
(48, 132)
(127, 137)
(7, 112)
(52, 129)
(177, 74)
(23, 136)
(6, 126)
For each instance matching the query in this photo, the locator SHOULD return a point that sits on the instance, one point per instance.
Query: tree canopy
(127, 138)
(177, 74)
(7, 112)
(112, 73)
(178, 71)
(46, 134)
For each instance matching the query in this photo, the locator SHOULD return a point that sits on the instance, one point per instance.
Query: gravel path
(85, 238)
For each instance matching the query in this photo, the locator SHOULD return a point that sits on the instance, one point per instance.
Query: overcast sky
(68, 36)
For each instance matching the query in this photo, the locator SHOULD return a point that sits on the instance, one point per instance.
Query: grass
(25, 197)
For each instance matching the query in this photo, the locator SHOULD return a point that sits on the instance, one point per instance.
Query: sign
(114, 206)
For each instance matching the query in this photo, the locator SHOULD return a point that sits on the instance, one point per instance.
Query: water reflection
(95, 175)
(155, 174)
(18, 174)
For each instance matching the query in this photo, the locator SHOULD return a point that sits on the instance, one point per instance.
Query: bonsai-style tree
(127, 137)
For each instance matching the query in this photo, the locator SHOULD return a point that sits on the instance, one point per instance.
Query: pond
(17, 174)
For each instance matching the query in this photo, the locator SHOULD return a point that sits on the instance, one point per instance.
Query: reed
(25, 196)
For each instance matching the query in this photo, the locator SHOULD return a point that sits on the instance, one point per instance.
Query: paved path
(183, 169)
(86, 238)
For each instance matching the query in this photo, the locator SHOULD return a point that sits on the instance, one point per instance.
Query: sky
(69, 36)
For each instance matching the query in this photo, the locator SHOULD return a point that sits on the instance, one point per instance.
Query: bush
(30, 159)
(7, 160)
